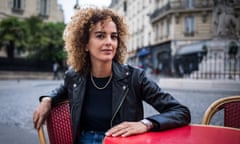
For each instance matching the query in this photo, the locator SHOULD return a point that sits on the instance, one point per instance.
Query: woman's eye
(114, 37)
(100, 36)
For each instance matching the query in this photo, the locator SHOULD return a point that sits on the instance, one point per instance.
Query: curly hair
(77, 32)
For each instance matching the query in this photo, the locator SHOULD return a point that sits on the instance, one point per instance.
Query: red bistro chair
(58, 125)
(231, 107)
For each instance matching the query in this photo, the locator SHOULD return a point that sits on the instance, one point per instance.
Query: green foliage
(12, 35)
(39, 39)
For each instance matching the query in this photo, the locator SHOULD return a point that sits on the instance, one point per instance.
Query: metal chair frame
(220, 104)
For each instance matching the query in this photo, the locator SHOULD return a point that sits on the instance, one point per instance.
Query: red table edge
(201, 125)
(215, 126)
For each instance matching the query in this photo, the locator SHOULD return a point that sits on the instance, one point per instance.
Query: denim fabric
(91, 137)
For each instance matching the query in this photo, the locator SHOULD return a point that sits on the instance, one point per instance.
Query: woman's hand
(41, 112)
(125, 129)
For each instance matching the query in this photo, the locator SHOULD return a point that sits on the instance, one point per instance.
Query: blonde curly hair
(77, 32)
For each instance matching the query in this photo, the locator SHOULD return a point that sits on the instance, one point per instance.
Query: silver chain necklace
(100, 88)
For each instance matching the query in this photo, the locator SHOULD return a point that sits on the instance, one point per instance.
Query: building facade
(48, 10)
(141, 33)
(165, 29)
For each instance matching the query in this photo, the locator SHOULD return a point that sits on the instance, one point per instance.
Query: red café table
(191, 134)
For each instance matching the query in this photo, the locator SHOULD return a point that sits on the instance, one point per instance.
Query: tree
(12, 35)
(34, 25)
(41, 40)
(48, 42)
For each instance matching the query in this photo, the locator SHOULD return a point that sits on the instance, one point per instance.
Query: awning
(143, 52)
(192, 48)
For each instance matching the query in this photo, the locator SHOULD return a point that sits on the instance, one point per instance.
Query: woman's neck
(101, 69)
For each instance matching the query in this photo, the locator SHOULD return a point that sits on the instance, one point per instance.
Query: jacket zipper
(118, 108)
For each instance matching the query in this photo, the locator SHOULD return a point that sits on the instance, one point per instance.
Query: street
(18, 100)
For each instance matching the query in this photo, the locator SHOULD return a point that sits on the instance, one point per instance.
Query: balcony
(189, 33)
(43, 15)
(17, 10)
(179, 6)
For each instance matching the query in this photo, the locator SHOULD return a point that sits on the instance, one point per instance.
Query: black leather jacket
(130, 87)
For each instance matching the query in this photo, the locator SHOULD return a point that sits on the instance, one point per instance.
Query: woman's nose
(108, 40)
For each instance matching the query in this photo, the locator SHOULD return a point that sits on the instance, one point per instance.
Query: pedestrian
(106, 95)
(55, 71)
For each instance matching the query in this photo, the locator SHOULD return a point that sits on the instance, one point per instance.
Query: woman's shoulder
(134, 68)
(70, 72)
(127, 67)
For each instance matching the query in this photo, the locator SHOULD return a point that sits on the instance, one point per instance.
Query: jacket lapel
(119, 87)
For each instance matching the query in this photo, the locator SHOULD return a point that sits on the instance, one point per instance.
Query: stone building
(48, 10)
(167, 30)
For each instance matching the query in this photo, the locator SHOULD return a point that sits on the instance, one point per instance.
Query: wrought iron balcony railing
(178, 6)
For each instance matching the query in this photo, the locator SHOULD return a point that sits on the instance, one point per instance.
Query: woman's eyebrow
(99, 32)
(102, 32)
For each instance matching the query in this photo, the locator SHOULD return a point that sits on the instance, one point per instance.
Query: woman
(105, 95)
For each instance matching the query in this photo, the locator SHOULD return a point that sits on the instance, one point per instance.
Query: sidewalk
(168, 83)
(200, 84)
(18, 75)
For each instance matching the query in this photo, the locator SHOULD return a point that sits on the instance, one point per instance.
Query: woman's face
(103, 41)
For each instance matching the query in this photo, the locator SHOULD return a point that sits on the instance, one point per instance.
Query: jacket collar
(120, 71)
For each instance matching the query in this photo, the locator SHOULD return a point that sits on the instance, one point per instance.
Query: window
(168, 27)
(43, 7)
(157, 31)
(16, 4)
(189, 3)
(149, 38)
(189, 26)
(162, 28)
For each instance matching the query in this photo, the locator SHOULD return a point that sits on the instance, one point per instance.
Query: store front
(187, 58)
(161, 55)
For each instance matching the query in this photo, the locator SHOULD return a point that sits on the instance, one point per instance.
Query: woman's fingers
(40, 114)
(126, 129)
(37, 119)
(40, 122)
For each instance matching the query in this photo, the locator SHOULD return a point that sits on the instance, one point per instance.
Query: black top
(97, 110)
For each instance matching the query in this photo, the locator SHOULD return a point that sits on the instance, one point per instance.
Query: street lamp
(76, 6)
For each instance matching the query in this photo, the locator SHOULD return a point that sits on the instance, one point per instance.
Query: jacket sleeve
(172, 113)
(58, 94)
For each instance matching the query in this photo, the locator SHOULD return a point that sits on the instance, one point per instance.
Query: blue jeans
(91, 137)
